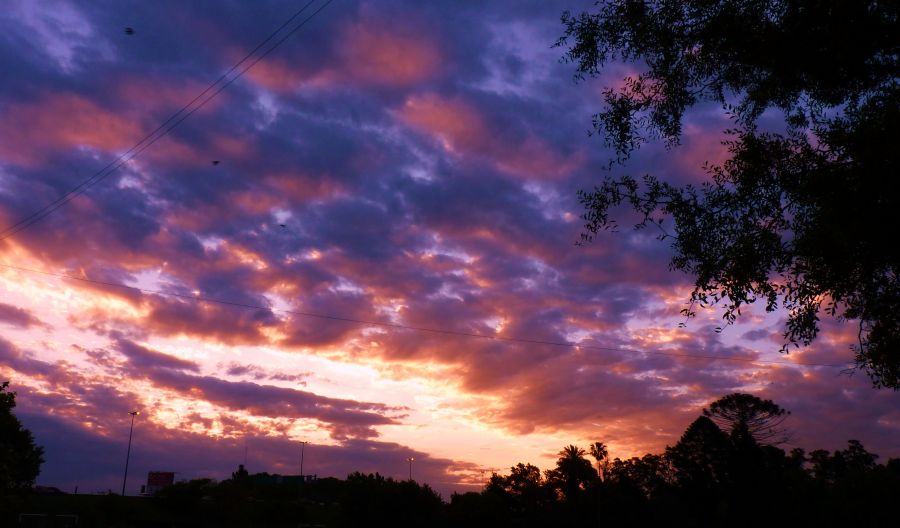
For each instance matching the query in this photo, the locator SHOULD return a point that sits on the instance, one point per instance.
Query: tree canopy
(794, 216)
(20, 458)
(745, 417)
(573, 472)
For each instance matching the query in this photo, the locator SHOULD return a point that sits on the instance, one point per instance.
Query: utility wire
(157, 129)
(431, 330)
(178, 117)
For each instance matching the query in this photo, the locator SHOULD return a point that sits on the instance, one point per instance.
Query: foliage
(791, 218)
(599, 452)
(524, 480)
(715, 475)
(700, 459)
(523, 494)
(649, 475)
(841, 465)
(745, 416)
(385, 502)
(573, 473)
(20, 457)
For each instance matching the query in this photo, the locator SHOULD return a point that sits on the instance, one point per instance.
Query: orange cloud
(465, 132)
(62, 121)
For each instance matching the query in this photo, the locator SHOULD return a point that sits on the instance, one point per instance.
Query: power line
(431, 330)
(166, 127)
(157, 129)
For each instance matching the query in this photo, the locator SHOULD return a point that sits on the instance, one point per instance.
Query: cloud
(392, 55)
(257, 373)
(62, 121)
(373, 52)
(141, 358)
(60, 31)
(15, 316)
(463, 131)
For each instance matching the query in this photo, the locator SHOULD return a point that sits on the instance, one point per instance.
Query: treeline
(725, 470)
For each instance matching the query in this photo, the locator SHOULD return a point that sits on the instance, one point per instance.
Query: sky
(405, 163)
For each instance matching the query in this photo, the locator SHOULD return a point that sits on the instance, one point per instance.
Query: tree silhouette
(648, 474)
(241, 477)
(701, 459)
(523, 480)
(853, 462)
(600, 454)
(572, 474)
(374, 499)
(20, 458)
(791, 218)
(523, 493)
(748, 418)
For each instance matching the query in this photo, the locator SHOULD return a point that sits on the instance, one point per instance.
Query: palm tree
(599, 452)
(573, 472)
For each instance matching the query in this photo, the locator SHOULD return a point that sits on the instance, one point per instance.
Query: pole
(410, 460)
(302, 480)
(302, 448)
(128, 454)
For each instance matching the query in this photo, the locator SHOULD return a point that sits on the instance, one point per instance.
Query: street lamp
(410, 460)
(128, 454)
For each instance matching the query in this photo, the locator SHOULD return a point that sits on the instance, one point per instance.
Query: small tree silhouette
(600, 454)
(20, 457)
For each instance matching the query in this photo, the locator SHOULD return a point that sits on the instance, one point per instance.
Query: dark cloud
(345, 418)
(142, 358)
(258, 374)
(15, 316)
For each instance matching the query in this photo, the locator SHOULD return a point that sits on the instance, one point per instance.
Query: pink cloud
(61, 121)
(388, 55)
(463, 131)
(280, 75)
(365, 54)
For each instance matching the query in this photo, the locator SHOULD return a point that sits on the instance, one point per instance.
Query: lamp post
(128, 454)
(410, 460)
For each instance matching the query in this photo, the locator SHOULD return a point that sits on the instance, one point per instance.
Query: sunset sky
(407, 163)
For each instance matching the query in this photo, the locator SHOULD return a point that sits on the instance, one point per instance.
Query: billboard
(157, 480)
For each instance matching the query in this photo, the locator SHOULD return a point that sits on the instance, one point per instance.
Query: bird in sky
(129, 30)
